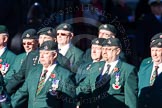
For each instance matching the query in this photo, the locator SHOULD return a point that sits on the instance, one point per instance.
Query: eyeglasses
(63, 34)
(27, 43)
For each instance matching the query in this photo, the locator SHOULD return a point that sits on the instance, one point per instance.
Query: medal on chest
(116, 85)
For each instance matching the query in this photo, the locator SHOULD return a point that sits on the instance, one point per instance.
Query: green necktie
(154, 75)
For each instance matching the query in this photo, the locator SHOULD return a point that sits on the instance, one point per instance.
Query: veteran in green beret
(30, 43)
(66, 48)
(104, 31)
(49, 80)
(113, 83)
(7, 57)
(149, 76)
(83, 72)
(32, 59)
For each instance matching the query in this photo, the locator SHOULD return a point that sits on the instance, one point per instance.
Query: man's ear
(118, 51)
(55, 55)
(5, 39)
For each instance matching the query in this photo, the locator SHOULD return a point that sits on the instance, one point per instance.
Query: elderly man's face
(64, 37)
(44, 38)
(30, 44)
(96, 52)
(156, 54)
(110, 53)
(47, 58)
(105, 34)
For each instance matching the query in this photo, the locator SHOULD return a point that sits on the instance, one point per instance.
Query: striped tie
(41, 82)
(154, 75)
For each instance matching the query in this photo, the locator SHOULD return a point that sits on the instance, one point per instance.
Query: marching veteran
(150, 76)
(47, 83)
(30, 43)
(66, 48)
(83, 73)
(7, 57)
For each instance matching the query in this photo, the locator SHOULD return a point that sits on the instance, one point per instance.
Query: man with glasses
(66, 48)
(30, 43)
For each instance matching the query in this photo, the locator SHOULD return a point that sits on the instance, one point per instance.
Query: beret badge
(27, 35)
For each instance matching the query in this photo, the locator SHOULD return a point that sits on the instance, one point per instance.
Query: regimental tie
(41, 82)
(154, 75)
(108, 68)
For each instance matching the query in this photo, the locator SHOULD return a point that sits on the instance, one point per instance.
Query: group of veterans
(54, 73)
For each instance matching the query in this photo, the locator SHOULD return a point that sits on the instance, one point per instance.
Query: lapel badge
(89, 66)
(27, 35)
(116, 85)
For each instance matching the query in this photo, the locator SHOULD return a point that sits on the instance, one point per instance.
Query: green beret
(112, 42)
(47, 31)
(108, 27)
(49, 46)
(156, 43)
(64, 26)
(3, 29)
(98, 41)
(155, 2)
(157, 36)
(30, 34)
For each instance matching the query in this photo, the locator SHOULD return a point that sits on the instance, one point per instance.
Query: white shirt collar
(2, 50)
(50, 69)
(159, 69)
(112, 66)
(63, 50)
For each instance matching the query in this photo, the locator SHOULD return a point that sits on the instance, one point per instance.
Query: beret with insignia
(3, 29)
(155, 2)
(49, 46)
(108, 27)
(112, 42)
(157, 36)
(156, 43)
(47, 31)
(30, 34)
(98, 41)
(64, 26)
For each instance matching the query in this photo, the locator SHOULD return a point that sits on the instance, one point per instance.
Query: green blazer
(102, 87)
(149, 96)
(74, 55)
(9, 58)
(44, 99)
(16, 66)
